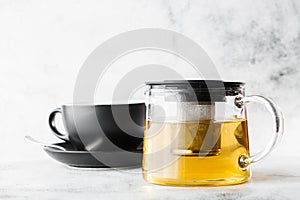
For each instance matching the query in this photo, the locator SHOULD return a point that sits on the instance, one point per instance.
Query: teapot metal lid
(201, 90)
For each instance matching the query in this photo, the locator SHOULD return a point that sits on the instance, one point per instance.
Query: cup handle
(278, 126)
(53, 127)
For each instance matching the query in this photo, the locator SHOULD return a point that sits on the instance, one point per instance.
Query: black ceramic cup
(101, 127)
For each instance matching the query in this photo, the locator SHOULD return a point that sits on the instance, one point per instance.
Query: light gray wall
(44, 43)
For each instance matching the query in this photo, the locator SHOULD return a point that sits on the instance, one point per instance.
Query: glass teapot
(196, 132)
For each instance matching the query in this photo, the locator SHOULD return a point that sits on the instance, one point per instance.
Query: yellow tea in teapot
(192, 153)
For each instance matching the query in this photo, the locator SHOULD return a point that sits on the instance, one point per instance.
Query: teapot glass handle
(278, 126)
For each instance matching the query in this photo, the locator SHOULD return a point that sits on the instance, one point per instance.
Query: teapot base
(208, 182)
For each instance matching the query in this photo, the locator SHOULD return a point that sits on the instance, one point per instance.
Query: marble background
(44, 43)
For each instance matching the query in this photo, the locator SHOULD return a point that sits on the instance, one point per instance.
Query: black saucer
(85, 159)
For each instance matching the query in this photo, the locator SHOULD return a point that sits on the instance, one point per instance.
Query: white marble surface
(45, 179)
(43, 44)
